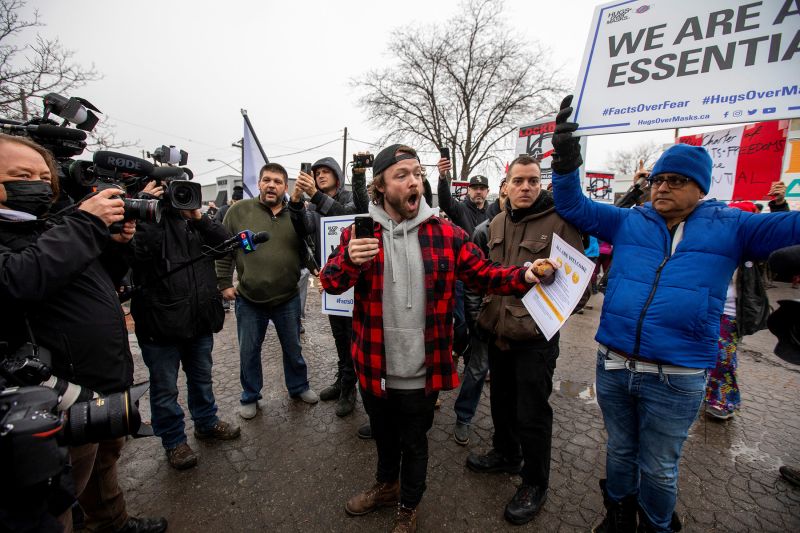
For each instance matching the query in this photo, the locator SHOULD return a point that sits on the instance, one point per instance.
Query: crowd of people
(428, 290)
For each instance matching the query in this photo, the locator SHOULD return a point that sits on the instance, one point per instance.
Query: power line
(364, 142)
(307, 149)
(210, 171)
(171, 135)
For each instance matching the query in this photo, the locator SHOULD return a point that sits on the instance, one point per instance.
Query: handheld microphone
(249, 240)
(123, 163)
(246, 239)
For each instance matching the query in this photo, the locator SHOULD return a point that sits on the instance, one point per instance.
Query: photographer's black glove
(567, 154)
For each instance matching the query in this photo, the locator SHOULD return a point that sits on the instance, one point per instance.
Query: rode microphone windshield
(123, 163)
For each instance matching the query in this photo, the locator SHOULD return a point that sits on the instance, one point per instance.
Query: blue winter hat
(690, 161)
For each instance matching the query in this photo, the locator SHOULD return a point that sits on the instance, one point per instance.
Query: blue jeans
(163, 361)
(647, 417)
(252, 321)
(474, 377)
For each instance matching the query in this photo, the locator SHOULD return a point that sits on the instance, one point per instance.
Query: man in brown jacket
(521, 360)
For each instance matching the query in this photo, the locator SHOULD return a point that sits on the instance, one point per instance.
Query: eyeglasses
(673, 182)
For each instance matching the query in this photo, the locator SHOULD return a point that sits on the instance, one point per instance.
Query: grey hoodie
(403, 298)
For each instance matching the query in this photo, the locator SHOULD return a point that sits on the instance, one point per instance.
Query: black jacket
(464, 214)
(492, 211)
(785, 263)
(472, 300)
(63, 279)
(219, 216)
(752, 303)
(187, 303)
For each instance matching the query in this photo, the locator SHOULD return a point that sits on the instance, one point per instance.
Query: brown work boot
(405, 520)
(181, 457)
(220, 431)
(380, 495)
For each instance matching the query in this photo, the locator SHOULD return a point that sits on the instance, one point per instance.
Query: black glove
(567, 154)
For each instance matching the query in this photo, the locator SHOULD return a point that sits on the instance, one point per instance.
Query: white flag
(253, 158)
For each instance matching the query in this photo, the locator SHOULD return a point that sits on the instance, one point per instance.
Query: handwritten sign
(746, 159)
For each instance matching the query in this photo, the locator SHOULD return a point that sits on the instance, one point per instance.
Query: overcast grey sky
(178, 71)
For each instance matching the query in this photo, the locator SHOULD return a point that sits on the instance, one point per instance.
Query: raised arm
(598, 219)
(360, 194)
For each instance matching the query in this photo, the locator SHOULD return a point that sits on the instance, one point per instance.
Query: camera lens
(185, 194)
(182, 195)
(105, 418)
(144, 210)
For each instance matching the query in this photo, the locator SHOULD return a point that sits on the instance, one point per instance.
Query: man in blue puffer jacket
(673, 258)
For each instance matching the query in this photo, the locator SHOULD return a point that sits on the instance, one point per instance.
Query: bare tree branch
(626, 160)
(466, 87)
(29, 72)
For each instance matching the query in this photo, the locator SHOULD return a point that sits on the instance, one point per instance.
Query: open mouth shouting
(412, 203)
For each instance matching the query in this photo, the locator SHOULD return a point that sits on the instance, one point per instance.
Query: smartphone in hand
(365, 227)
(305, 167)
(445, 152)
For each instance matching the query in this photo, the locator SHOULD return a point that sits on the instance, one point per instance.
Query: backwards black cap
(387, 158)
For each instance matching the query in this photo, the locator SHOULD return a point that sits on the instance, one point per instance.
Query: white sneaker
(309, 396)
(248, 410)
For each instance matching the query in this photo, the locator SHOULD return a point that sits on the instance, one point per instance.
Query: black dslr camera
(119, 171)
(89, 417)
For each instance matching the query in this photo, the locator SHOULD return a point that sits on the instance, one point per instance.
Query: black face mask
(30, 196)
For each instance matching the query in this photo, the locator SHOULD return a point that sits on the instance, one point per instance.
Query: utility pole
(344, 151)
(24, 104)
(240, 145)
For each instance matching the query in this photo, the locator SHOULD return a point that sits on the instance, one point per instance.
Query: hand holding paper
(551, 305)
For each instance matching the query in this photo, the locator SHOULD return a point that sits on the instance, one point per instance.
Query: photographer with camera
(57, 285)
(176, 316)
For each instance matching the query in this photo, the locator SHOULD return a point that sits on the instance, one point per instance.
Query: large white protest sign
(331, 233)
(659, 64)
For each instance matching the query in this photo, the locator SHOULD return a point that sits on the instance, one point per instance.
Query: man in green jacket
(267, 288)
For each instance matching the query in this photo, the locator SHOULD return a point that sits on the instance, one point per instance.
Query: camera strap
(34, 346)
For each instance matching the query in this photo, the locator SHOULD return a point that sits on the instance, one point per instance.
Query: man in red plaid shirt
(404, 278)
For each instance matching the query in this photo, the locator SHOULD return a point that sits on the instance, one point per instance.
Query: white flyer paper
(551, 305)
